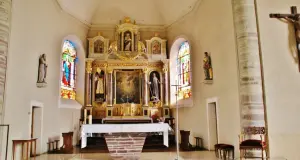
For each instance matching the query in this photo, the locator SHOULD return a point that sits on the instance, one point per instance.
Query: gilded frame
(140, 84)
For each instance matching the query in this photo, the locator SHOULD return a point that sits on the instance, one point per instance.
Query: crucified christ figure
(293, 18)
(296, 22)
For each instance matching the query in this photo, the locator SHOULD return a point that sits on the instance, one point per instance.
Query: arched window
(69, 58)
(184, 71)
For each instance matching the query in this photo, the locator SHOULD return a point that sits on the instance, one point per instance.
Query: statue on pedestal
(207, 67)
(42, 71)
(154, 87)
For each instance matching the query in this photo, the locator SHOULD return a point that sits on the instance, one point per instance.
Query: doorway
(212, 116)
(36, 127)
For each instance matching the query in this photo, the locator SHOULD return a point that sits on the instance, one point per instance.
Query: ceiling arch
(147, 12)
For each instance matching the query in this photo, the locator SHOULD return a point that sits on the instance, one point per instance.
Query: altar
(126, 77)
(127, 90)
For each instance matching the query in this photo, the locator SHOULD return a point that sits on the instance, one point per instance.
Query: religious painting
(154, 86)
(69, 59)
(42, 71)
(207, 67)
(127, 41)
(99, 86)
(98, 46)
(184, 71)
(156, 47)
(128, 88)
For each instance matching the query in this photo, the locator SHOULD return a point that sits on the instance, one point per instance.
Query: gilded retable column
(109, 87)
(145, 88)
(88, 86)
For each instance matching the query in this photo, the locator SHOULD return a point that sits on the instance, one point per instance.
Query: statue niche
(154, 86)
(99, 86)
(127, 44)
(127, 41)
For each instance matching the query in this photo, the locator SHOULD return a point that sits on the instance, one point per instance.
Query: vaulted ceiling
(148, 12)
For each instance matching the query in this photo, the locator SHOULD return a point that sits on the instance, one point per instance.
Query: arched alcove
(80, 74)
(174, 52)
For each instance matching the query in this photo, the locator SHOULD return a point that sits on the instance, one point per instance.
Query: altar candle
(90, 119)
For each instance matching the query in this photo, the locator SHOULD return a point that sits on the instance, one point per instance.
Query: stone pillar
(88, 74)
(5, 20)
(109, 87)
(250, 76)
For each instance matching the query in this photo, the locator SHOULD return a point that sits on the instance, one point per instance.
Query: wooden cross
(293, 18)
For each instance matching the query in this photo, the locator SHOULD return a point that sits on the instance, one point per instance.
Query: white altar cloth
(124, 128)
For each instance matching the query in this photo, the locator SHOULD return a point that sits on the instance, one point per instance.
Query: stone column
(250, 76)
(5, 13)
(109, 87)
(88, 74)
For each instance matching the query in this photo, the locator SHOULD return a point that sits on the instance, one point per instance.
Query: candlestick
(90, 119)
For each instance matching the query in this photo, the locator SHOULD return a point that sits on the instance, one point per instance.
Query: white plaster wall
(37, 27)
(210, 28)
(281, 77)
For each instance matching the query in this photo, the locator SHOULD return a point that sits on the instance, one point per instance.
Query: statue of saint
(127, 42)
(207, 67)
(98, 46)
(154, 87)
(42, 69)
(99, 80)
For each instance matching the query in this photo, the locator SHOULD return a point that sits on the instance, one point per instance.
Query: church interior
(150, 79)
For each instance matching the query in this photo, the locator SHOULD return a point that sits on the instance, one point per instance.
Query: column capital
(145, 70)
(109, 70)
(88, 66)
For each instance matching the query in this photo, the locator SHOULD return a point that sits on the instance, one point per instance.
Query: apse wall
(281, 78)
(209, 28)
(37, 27)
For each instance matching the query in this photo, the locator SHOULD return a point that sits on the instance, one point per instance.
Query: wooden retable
(27, 142)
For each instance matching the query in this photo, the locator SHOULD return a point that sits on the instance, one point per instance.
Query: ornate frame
(115, 83)
(162, 42)
(92, 41)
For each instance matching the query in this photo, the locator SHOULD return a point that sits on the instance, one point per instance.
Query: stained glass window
(184, 71)
(68, 70)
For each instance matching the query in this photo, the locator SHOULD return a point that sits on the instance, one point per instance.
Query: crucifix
(293, 18)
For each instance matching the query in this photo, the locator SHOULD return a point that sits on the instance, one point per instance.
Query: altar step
(151, 142)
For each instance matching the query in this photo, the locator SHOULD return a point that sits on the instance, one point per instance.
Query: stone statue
(207, 67)
(42, 73)
(154, 87)
(127, 42)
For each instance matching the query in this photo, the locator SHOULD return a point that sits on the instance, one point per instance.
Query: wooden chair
(253, 138)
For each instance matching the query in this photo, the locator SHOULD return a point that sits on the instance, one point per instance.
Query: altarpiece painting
(128, 87)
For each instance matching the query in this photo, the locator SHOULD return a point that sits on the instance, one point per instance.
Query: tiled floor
(199, 155)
